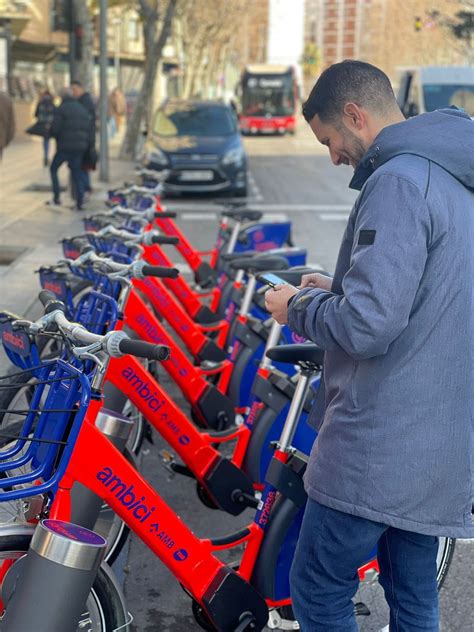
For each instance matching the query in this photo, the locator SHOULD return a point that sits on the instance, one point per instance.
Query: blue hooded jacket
(396, 444)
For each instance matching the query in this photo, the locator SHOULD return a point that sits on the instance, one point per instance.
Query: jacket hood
(446, 137)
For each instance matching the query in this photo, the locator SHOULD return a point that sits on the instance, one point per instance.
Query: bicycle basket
(37, 443)
(97, 312)
(18, 345)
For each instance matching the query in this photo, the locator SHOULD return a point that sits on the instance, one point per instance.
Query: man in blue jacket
(393, 464)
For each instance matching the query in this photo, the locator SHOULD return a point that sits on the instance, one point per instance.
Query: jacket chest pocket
(353, 385)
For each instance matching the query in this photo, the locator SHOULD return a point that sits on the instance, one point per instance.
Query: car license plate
(193, 176)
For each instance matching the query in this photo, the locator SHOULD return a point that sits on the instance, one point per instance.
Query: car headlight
(234, 156)
(157, 157)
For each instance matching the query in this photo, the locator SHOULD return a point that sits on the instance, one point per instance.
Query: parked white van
(429, 88)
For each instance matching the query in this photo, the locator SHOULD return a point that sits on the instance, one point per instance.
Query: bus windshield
(443, 95)
(268, 95)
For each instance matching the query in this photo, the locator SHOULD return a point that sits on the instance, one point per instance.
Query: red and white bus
(267, 99)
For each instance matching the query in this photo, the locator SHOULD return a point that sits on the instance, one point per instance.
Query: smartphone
(272, 280)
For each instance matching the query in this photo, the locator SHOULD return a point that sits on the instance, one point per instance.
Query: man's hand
(276, 301)
(316, 280)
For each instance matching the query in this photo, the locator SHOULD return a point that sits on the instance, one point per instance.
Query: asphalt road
(290, 177)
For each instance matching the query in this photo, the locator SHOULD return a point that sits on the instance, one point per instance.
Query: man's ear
(354, 117)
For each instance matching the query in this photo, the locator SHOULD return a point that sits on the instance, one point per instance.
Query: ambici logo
(143, 389)
(125, 494)
(13, 340)
(16, 341)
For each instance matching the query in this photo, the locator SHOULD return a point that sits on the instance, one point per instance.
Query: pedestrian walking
(117, 108)
(71, 129)
(44, 114)
(90, 155)
(392, 466)
(7, 121)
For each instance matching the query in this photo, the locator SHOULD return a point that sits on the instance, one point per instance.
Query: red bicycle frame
(189, 558)
(190, 254)
(190, 379)
(180, 288)
(192, 334)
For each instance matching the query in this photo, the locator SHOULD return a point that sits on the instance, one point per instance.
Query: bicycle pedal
(167, 460)
(276, 622)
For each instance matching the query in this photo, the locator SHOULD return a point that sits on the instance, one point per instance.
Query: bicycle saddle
(230, 256)
(260, 264)
(305, 355)
(241, 215)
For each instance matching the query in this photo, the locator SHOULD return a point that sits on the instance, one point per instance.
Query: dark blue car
(199, 142)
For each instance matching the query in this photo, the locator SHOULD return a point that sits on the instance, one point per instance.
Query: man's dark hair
(349, 81)
(76, 82)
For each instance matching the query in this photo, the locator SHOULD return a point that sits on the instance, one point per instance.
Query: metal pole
(104, 148)
(72, 42)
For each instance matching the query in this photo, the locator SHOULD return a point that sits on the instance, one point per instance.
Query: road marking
(212, 217)
(286, 208)
(334, 217)
(255, 191)
(275, 217)
(193, 217)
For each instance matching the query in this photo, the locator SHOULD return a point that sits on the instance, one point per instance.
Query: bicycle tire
(106, 595)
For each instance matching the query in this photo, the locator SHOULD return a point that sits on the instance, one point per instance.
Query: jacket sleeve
(57, 122)
(391, 239)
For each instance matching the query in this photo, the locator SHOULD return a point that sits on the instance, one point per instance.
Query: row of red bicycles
(87, 388)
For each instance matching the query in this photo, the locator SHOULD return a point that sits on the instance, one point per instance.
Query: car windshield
(192, 120)
(443, 95)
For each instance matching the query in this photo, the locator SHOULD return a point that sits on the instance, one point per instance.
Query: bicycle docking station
(85, 505)
(58, 571)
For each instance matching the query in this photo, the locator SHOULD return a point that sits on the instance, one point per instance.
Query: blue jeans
(74, 161)
(46, 140)
(86, 180)
(332, 545)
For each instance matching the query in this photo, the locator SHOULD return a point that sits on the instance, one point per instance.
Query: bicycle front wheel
(105, 609)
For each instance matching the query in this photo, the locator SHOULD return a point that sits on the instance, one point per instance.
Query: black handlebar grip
(160, 271)
(143, 349)
(166, 214)
(164, 240)
(50, 302)
(87, 248)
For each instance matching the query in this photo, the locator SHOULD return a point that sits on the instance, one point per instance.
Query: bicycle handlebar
(163, 240)
(144, 349)
(160, 271)
(50, 302)
(136, 270)
(114, 343)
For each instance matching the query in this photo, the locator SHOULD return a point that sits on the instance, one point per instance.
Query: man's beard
(353, 146)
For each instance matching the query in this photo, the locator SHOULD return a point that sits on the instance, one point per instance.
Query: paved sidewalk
(29, 230)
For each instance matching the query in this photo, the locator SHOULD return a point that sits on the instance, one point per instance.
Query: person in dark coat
(85, 99)
(44, 114)
(7, 121)
(71, 129)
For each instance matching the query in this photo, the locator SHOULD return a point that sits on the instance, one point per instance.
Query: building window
(133, 29)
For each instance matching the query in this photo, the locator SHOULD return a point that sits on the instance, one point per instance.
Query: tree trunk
(153, 49)
(85, 65)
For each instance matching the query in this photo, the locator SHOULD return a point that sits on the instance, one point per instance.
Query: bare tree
(156, 30)
(207, 33)
(85, 65)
